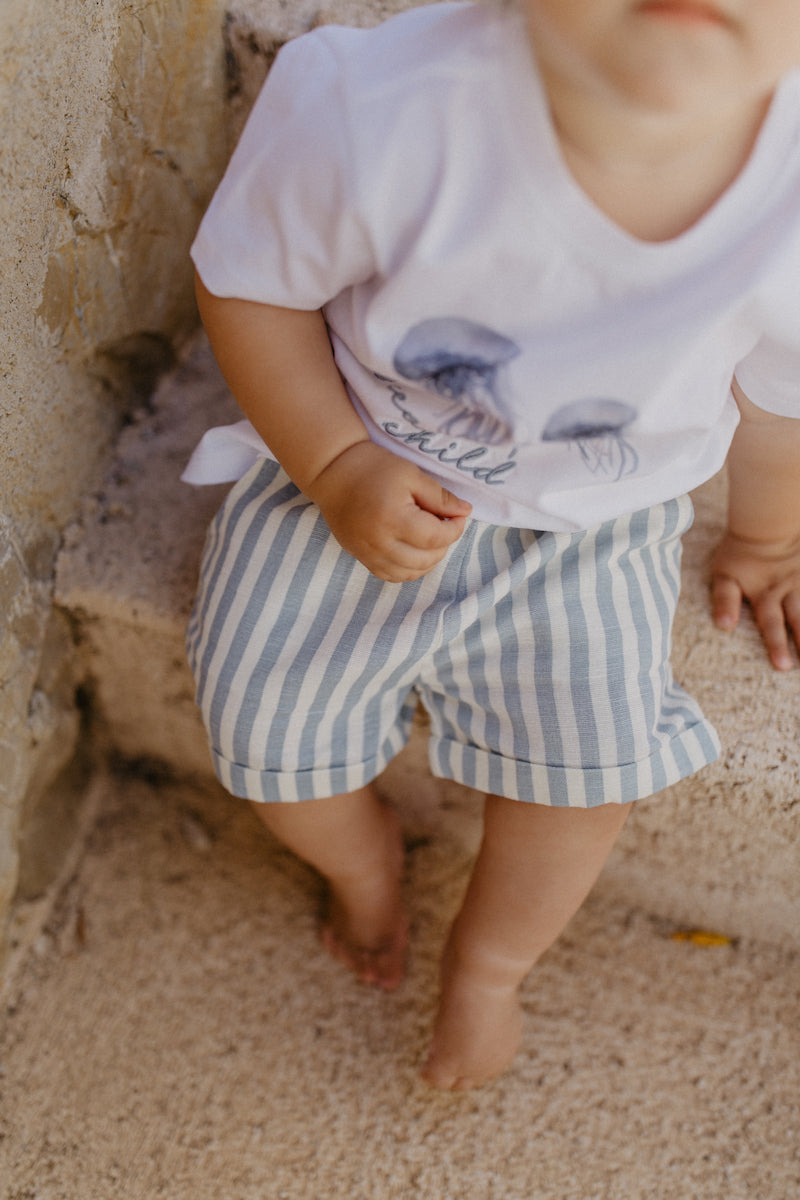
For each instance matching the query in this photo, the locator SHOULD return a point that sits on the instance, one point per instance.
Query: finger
(435, 499)
(407, 560)
(771, 620)
(424, 531)
(726, 602)
(401, 562)
(792, 609)
(395, 572)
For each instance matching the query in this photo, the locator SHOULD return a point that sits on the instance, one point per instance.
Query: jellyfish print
(597, 428)
(463, 362)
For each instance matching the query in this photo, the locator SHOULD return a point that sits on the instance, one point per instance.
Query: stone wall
(117, 118)
(111, 115)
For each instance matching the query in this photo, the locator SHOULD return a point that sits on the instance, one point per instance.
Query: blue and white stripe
(541, 658)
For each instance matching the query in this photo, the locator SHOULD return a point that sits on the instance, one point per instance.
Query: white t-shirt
(491, 323)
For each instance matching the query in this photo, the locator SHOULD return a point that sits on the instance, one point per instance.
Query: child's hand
(388, 513)
(767, 575)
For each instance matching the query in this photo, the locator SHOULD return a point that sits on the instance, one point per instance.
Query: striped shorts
(541, 658)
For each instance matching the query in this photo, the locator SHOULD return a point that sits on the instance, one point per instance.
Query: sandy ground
(177, 1033)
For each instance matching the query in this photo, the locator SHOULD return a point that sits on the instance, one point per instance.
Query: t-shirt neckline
(576, 214)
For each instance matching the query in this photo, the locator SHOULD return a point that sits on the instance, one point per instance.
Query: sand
(177, 1032)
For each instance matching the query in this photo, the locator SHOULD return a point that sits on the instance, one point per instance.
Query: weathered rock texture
(113, 137)
(129, 566)
(117, 119)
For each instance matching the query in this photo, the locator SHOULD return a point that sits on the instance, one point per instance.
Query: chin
(673, 92)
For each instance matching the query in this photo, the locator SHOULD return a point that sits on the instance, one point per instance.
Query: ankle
(483, 967)
(377, 866)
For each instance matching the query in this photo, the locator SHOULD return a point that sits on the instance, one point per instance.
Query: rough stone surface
(27, 726)
(112, 121)
(129, 567)
(721, 848)
(51, 801)
(113, 139)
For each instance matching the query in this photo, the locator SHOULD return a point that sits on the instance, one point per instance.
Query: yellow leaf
(701, 937)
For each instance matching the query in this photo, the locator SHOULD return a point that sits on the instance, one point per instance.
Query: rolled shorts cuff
(485, 771)
(320, 783)
(575, 787)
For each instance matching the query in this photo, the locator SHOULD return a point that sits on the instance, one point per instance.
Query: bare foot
(477, 1030)
(364, 925)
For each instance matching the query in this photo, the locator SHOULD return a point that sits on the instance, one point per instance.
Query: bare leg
(536, 866)
(355, 843)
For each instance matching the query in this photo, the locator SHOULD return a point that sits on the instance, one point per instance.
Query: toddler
(496, 286)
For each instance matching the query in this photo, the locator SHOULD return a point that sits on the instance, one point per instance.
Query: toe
(439, 1075)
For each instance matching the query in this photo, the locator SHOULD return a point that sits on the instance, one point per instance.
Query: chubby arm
(279, 364)
(758, 559)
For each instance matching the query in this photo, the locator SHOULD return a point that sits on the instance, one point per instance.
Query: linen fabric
(541, 658)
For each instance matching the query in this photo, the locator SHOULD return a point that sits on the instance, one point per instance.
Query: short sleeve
(283, 227)
(770, 377)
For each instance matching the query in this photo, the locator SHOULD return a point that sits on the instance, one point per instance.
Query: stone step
(718, 850)
(128, 569)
